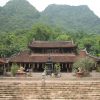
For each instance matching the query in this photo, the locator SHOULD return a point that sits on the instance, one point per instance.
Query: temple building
(40, 52)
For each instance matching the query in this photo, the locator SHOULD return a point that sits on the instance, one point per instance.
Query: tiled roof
(26, 57)
(20, 57)
(50, 44)
(53, 57)
(84, 53)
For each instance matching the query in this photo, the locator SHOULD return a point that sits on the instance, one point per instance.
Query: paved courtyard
(64, 76)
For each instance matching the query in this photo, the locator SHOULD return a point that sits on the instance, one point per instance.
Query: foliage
(41, 32)
(10, 43)
(98, 68)
(63, 37)
(14, 69)
(83, 64)
(57, 68)
(87, 40)
(14, 42)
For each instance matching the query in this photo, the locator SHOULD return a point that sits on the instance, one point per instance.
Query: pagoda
(63, 52)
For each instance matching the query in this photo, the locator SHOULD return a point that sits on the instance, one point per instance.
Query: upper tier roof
(51, 44)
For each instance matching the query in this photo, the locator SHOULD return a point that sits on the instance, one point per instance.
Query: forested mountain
(71, 18)
(17, 14)
(20, 14)
(21, 22)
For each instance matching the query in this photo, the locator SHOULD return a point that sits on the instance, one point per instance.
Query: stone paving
(64, 76)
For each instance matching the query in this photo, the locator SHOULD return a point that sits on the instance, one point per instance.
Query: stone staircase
(50, 90)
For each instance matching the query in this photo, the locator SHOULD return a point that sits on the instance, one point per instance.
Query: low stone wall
(50, 90)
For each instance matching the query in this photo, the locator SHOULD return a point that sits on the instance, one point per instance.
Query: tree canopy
(14, 42)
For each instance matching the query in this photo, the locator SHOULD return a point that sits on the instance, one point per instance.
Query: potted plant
(82, 66)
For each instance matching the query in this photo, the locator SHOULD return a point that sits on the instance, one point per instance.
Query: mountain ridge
(20, 14)
(17, 15)
(63, 12)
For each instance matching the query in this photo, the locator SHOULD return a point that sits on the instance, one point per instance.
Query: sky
(40, 5)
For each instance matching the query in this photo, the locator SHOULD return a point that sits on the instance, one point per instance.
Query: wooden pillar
(8, 67)
(29, 65)
(37, 65)
(20, 64)
(42, 65)
(69, 67)
(33, 66)
(4, 70)
(66, 67)
(24, 65)
(61, 67)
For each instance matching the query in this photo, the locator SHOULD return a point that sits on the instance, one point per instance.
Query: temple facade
(3, 64)
(40, 52)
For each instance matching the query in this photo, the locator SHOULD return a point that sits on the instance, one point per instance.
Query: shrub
(98, 69)
(14, 69)
(57, 68)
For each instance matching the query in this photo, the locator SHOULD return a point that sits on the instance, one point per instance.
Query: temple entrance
(49, 68)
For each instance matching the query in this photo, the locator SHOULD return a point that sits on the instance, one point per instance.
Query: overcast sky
(41, 4)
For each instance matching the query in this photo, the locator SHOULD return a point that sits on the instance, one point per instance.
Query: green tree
(63, 37)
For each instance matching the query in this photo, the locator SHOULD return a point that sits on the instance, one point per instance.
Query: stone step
(73, 90)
